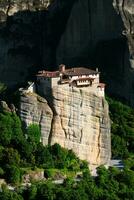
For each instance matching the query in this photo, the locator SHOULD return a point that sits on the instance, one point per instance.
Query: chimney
(62, 68)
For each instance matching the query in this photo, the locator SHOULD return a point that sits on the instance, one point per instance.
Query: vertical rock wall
(34, 109)
(89, 24)
(80, 121)
(125, 10)
(20, 39)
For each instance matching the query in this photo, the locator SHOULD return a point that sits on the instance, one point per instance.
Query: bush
(13, 174)
(1, 172)
(33, 133)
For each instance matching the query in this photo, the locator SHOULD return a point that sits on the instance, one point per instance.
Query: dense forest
(21, 151)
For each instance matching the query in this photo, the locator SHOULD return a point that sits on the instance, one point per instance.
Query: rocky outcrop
(34, 109)
(80, 122)
(5, 108)
(33, 175)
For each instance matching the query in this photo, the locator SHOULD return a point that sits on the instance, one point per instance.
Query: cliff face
(34, 109)
(125, 10)
(20, 39)
(80, 121)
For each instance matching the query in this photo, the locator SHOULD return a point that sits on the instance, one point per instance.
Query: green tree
(11, 156)
(10, 129)
(64, 158)
(122, 117)
(26, 150)
(6, 122)
(32, 192)
(46, 191)
(62, 193)
(3, 88)
(33, 133)
(1, 172)
(6, 194)
(43, 157)
(17, 133)
(119, 148)
(13, 174)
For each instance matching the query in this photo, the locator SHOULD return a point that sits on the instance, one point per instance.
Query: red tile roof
(48, 74)
(79, 71)
(69, 72)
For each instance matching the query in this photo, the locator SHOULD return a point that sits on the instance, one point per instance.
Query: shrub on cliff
(33, 133)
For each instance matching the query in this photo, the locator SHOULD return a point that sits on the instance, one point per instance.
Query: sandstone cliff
(80, 121)
(34, 109)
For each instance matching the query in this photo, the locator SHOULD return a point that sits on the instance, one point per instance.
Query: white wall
(31, 88)
(95, 76)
